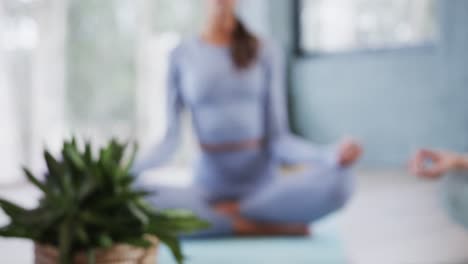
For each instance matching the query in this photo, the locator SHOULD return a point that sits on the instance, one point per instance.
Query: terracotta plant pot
(119, 254)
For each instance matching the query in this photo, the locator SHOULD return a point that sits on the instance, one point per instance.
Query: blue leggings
(300, 197)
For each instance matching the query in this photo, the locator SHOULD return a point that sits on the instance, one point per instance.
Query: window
(95, 69)
(101, 75)
(337, 26)
(19, 42)
(117, 54)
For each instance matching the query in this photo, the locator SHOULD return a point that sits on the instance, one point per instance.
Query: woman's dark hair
(244, 46)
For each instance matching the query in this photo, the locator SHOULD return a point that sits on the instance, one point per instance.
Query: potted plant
(90, 212)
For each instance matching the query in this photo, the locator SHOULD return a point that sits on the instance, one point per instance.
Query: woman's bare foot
(245, 227)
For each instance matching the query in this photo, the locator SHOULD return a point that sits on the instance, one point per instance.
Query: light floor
(396, 218)
(393, 219)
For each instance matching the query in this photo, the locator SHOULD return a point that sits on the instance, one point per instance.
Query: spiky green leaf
(71, 153)
(89, 202)
(36, 182)
(138, 242)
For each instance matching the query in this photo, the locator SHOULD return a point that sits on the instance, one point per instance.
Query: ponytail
(244, 46)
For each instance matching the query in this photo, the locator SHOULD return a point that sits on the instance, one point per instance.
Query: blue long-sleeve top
(228, 104)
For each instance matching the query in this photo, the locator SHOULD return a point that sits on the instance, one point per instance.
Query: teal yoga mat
(324, 247)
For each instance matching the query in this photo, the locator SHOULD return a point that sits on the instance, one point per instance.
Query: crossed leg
(290, 202)
(285, 206)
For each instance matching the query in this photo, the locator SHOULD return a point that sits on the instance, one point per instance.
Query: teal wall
(394, 101)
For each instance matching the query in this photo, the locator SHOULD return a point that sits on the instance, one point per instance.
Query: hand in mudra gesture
(432, 164)
(349, 152)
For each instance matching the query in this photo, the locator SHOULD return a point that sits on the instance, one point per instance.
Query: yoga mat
(323, 247)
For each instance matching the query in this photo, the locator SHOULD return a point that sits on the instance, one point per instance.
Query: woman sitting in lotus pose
(232, 83)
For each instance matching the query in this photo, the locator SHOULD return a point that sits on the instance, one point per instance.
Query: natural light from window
(336, 25)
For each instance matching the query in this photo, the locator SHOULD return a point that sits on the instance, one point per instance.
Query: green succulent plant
(90, 203)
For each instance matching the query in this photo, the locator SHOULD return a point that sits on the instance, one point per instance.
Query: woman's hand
(433, 164)
(349, 151)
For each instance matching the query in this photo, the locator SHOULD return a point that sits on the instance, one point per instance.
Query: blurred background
(392, 73)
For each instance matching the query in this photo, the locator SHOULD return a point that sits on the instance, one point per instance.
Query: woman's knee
(336, 189)
(334, 184)
(341, 190)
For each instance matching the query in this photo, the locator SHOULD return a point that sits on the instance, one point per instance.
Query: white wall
(9, 147)
(48, 80)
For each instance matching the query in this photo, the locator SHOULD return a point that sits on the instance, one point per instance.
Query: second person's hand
(432, 164)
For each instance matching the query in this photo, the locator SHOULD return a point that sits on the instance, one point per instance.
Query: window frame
(302, 52)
